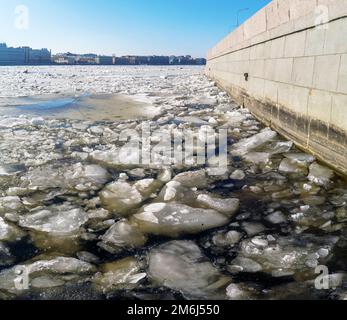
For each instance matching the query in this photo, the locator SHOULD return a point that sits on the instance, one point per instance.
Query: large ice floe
(104, 194)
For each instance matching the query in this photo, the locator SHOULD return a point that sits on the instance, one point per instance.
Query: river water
(101, 196)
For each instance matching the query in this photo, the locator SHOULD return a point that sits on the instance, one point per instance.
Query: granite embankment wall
(288, 65)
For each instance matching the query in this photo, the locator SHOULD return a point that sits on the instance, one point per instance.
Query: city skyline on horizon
(123, 27)
(26, 55)
(93, 53)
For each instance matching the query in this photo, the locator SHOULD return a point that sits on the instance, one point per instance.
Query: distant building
(158, 60)
(85, 60)
(12, 56)
(104, 60)
(173, 60)
(42, 56)
(29, 56)
(23, 56)
(120, 61)
(72, 59)
(59, 59)
(200, 61)
(92, 59)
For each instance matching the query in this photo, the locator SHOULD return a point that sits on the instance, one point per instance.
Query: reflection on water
(85, 107)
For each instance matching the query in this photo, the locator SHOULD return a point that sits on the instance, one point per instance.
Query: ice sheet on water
(56, 220)
(135, 81)
(45, 161)
(122, 236)
(121, 197)
(174, 219)
(320, 175)
(291, 166)
(181, 265)
(123, 274)
(244, 146)
(193, 179)
(288, 256)
(9, 232)
(10, 204)
(45, 273)
(174, 191)
(226, 206)
(11, 169)
(76, 177)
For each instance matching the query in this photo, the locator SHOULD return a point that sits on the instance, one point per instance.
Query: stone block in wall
(229, 41)
(335, 37)
(319, 105)
(339, 111)
(300, 100)
(315, 39)
(239, 34)
(256, 68)
(267, 49)
(282, 29)
(258, 52)
(295, 44)
(301, 8)
(256, 25)
(272, 15)
(336, 8)
(342, 81)
(283, 11)
(303, 69)
(256, 88)
(284, 69)
(326, 72)
(285, 94)
(245, 54)
(259, 38)
(270, 91)
(277, 48)
(270, 69)
(306, 21)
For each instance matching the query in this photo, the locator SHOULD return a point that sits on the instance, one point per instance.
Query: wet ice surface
(88, 223)
(80, 107)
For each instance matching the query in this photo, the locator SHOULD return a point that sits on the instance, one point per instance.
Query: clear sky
(140, 27)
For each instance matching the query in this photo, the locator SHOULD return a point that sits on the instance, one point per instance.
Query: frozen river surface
(85, 215)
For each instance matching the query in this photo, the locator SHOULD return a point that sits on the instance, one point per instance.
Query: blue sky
(141, 27)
